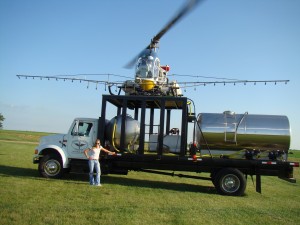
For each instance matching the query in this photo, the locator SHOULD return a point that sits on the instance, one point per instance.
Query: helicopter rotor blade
(182, 12)
(131, 63)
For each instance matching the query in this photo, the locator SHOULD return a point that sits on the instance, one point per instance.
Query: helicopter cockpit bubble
(147, 66)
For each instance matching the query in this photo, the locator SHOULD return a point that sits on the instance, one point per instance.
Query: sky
(245, 40)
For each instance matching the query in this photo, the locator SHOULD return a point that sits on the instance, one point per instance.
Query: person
(93, 155)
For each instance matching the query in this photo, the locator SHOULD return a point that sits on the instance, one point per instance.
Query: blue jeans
(94, 164)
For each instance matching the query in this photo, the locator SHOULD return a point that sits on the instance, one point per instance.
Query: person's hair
(98, 140)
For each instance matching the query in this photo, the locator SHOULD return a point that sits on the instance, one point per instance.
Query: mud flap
(258, 183)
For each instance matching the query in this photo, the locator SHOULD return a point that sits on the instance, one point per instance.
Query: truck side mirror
(74, 133)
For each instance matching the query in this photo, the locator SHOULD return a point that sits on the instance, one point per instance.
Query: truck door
(81, 136)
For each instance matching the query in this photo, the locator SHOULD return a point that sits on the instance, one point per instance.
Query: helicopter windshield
(148, 65)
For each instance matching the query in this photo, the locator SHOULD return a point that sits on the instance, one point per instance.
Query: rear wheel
(51, 166)
(230, 181)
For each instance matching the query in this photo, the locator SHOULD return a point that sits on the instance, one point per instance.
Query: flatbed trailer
(227, 175)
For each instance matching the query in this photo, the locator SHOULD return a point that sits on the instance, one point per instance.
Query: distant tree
(1, 119)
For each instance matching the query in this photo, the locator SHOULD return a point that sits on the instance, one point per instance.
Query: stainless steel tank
(229, 131)
(113, 131)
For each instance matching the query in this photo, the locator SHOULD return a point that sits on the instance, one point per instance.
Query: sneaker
(98, 185)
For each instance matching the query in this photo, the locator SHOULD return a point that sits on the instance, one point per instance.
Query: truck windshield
(82, 128)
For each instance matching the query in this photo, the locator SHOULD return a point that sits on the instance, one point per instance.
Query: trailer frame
(224, 173)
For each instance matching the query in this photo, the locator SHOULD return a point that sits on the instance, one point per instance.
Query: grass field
(11, 135)
(138, 198)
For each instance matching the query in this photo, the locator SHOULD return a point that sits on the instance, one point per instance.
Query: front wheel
(230, 181)
(51, 166)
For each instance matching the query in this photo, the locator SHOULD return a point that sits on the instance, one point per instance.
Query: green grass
(28, 136)
(294, 154)
(138, 198)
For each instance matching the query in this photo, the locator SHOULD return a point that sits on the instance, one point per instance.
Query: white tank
(171, 143)
(113, 131)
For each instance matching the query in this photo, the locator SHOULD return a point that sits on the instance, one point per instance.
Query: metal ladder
(231, 126)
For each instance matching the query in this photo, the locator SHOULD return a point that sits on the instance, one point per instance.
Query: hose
(113, 136)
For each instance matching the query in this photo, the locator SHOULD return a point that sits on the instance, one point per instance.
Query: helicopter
(151, 78)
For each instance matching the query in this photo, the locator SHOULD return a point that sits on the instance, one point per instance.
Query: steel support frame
(140, 104)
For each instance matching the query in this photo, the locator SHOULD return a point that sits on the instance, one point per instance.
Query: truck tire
(230, 182)
(51, 166)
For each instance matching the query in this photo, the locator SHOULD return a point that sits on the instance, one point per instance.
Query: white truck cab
(54, 152)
